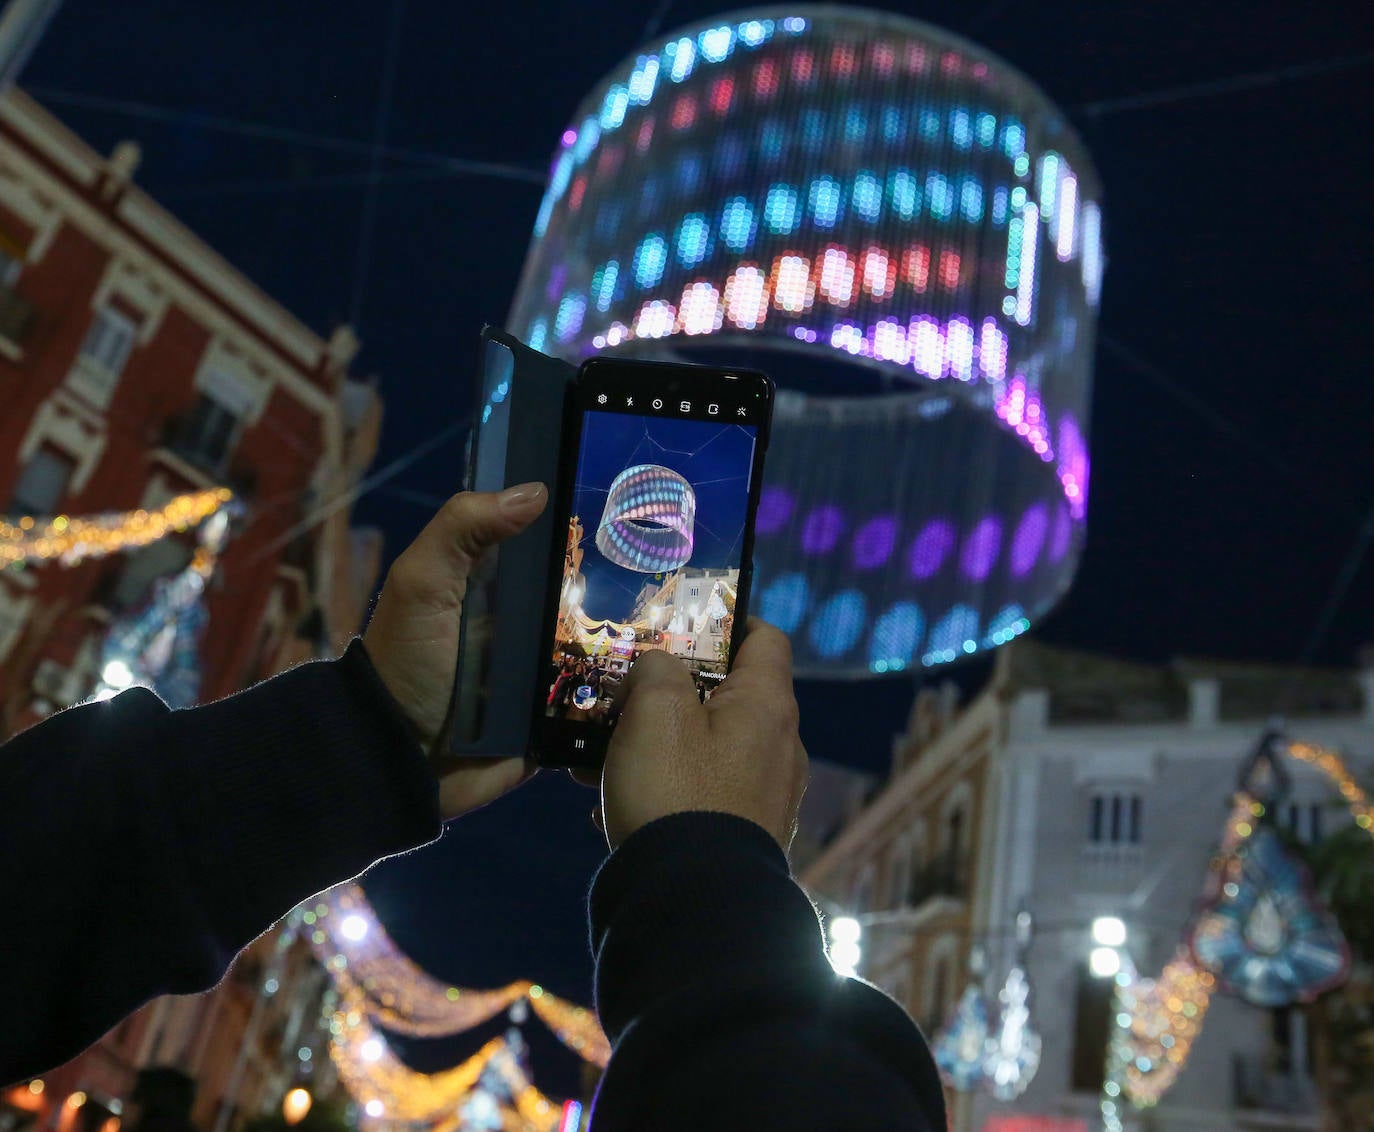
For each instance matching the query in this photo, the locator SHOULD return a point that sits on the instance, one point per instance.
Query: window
(108, 342)
(1303, 820)
(207, 433)
(43, 482)
(1114, 819)
(1091, 1029)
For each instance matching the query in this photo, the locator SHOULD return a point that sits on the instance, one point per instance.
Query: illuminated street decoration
(1013, 1053)
(649, 520)
(867, 192)
(961, 1044)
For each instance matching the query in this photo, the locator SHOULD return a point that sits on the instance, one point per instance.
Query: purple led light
(1029, 539)
(1062, 533)
(775, 508)
(569, 137)
(874, 542)
(822, 530)
(981, 548)
(930, 548)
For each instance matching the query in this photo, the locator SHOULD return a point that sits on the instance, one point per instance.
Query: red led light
(836, 282)
(802, 66)
(915, 58)
(722, 94)
(579, 187)
(880, 273)
(882, 58)
(949, 269)
(766, 79)
(916, 266)
(842, 59)
(684, 112)
(646, 135)
(950, 63)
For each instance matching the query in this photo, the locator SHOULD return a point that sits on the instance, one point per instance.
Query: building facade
(136, 365)
(1090, 788)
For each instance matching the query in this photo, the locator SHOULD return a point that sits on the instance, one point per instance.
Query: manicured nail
(519, 497)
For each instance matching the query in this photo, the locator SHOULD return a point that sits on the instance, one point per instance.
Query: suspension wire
(181, 117)
(367, 225)
(1212, 88)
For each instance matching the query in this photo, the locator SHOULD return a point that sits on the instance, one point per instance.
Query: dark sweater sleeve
(142, 848)
(722, 1009)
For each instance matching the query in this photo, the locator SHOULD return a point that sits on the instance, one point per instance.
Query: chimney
(1204, 702)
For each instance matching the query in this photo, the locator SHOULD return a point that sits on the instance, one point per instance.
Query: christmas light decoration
(74, 539)
(1329, 762)
(649, 521)
(158, 646)
(961, 1044)
(385, 985)
(909, 214)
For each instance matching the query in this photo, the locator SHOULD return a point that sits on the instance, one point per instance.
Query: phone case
(516, 438)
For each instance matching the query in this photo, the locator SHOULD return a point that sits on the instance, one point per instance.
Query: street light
(1104, 962)
(1109, 931)
(296, 1105)
(845, 952)
(354, 927)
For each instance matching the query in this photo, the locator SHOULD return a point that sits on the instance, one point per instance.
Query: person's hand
(738, 753)
(412, 639)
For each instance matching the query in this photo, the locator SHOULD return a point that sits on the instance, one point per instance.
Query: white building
(1095, 788)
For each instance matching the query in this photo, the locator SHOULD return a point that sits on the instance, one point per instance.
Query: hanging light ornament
(1013, 1050)
(961, 1045)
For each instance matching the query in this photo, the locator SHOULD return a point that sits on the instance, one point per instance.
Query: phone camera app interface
(653, 555)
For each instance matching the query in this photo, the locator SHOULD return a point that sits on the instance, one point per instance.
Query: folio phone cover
(516, 438)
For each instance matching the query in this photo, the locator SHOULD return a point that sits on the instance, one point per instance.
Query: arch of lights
(876, 192)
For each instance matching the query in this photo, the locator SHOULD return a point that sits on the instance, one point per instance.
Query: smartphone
(663, 465)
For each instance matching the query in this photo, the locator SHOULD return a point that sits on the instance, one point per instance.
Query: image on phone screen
(655, 545)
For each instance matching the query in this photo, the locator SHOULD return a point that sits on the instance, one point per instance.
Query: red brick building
(135, 365)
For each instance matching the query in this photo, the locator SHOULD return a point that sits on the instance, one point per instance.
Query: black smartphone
(663, 464)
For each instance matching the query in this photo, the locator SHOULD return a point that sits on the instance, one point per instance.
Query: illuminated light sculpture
(910, 221)
(649, 521)
(961, 1045)
(1013, 1055)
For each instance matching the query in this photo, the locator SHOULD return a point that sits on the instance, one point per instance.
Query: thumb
(445, 552)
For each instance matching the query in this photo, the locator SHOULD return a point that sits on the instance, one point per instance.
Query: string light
(70, 539)
(1331, 764)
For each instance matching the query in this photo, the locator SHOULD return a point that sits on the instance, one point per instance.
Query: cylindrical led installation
(863, 190)
(648, 522)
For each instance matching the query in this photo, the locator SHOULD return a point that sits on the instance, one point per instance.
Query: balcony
(202, 458)
(944, 876)
(1110, 867)
(16, 320)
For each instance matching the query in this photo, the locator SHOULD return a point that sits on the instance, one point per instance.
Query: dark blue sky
(1232, 411)
(713, 458)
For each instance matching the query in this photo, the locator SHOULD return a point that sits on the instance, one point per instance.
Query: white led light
(1109, 931)
(1104, 962)
(354, 927)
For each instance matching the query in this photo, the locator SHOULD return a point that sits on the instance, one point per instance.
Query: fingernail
(519, 497)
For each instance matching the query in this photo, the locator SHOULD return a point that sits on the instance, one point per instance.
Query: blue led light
(904, 193)
(784, 602)
(651, 257)
(838, 623)
(689, 173)
(717, 43)
(961, 128)
(894, 124)
(812, 130)
(940, 195)
(971, 200)
(539, 332)
(1000, 205)
(955, 631)
(867, 195)
(794, 25)
(780, 210)
(825, 200)
(1022, 164)
(643, 79)
(683, 54)
(771, 141)
(855, 124)
(614, 107)
(562, 174)
(737, 226)
(587, 137)
(987, 130)
(1013, 138)
(693, 239)
(896, 635)
(1006, 623)
(570, 314)
(930, 124)
(754, 32)
(603, 284)
(541, 221)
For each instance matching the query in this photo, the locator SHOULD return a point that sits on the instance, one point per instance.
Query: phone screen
(659, 534)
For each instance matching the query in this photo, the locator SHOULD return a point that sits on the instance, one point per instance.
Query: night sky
(713, 458)
(1233, 407)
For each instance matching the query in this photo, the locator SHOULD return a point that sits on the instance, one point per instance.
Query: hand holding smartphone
(653, 529)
